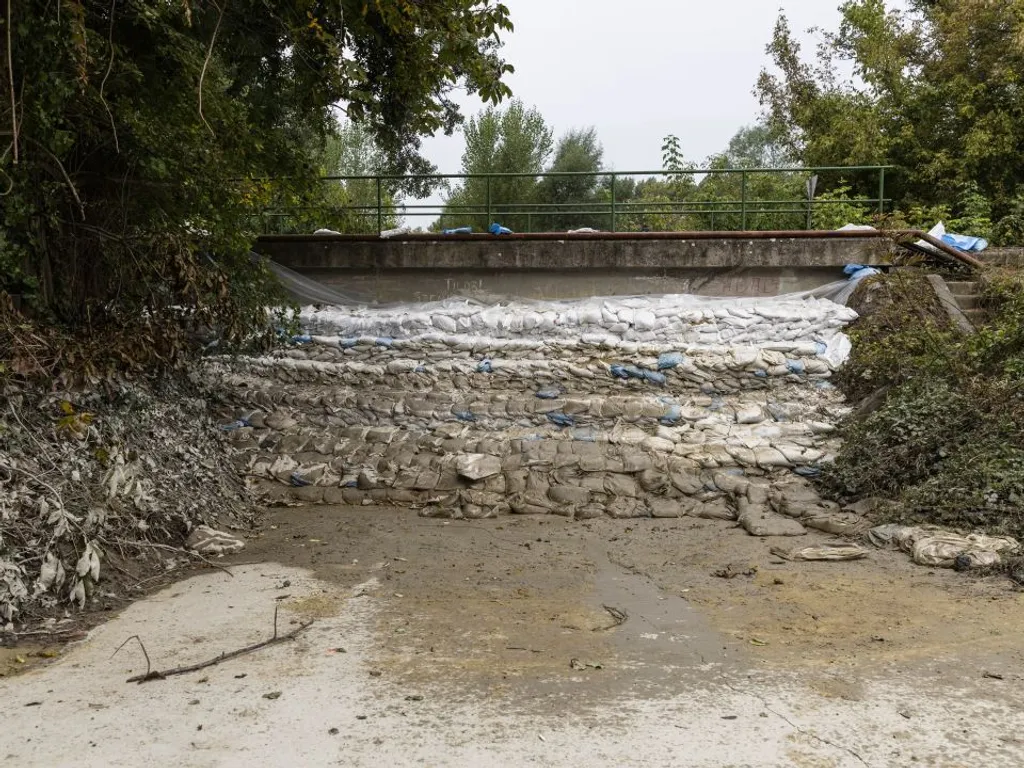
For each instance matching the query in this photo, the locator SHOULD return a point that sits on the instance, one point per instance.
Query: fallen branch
(160, 675)
(619, 617)
(179, 550)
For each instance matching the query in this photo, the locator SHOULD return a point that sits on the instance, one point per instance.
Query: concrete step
(962, 287)
(975, 316)
(968, 301)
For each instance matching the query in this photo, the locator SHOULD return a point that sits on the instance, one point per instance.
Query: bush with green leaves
(947, 441)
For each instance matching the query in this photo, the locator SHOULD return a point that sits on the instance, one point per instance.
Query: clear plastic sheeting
(309, 292)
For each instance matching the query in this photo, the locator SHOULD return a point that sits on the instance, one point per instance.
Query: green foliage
(933, 89)
(136, 148)
(578, 151)
(348, 206)
(835, 208)
(515, 139)
(948, 441)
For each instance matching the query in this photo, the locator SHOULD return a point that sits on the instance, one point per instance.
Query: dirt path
(498, 643)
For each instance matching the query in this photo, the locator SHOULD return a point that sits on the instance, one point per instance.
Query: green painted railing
(716, 199)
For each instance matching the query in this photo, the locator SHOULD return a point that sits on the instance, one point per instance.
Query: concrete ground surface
(537, 641)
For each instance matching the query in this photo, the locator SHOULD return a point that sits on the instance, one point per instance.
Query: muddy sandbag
(686, 481)
(758, 520)
(591, 511)
(568, 494)
(943, 550)
(827, 552)
(837, 523)
(670, 507)
(969, 561)
(653, 481)
(885, 536)
(476, 512)
(477, 466)
(521, 504)
(623, 508)
(515, 481)
(621, 485)
(715, 509)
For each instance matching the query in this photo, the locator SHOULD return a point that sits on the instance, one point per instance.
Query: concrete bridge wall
(423, 268)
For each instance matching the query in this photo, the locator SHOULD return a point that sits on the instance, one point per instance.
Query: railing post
(743, 201)
(380, 210)
(613, 202)
(488, 222)
(881, 191)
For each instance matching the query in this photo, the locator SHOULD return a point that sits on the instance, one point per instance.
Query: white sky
(640, 70)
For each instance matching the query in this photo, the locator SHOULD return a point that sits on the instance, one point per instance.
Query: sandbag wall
(639, 406)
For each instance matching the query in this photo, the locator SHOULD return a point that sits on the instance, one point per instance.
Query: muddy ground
(540, 641)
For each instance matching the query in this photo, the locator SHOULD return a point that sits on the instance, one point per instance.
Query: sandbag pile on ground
(941, 548)
(641, 406)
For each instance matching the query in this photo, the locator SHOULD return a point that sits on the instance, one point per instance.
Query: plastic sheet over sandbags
(675, 318)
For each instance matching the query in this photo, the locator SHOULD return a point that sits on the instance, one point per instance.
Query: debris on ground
(835, 552)
(940, 548)
(209, 541)
(99, 490)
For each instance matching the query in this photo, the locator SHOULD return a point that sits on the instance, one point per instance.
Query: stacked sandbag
(646, 406)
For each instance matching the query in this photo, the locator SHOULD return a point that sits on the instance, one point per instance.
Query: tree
(139, 142)
(935, 90)
(578, 151)
(513, 140)
(344, 205)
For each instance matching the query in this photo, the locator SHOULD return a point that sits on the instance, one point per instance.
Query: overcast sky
(642, 69)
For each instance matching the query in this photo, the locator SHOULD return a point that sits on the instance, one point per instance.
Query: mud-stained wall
(391, 285)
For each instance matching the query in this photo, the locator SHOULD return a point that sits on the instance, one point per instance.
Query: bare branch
(206, 62)
(10, 74)
(160, 675)
(149, 666)
(110, 66)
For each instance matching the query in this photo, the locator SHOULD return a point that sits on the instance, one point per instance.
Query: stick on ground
(161, 674)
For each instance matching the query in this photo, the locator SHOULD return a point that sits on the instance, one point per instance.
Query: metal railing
(715, 199)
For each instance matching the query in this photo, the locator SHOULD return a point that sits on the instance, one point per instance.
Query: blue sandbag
(654, 377)
(297, 480)
(795, 366)
(619, 371)
(347, 343)
(484, 366)
(384, 341)
(303, 338)
(670, 360)
(458, 231)
(497, 229)
(549, 393)
(672, 416)
(465, 415)
(561, 419)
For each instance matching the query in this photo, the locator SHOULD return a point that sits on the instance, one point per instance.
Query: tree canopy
(137, 139)
(934, 89)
